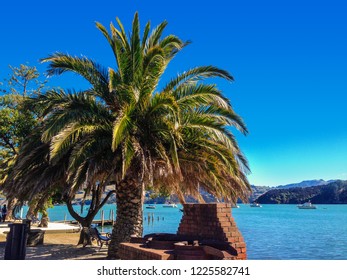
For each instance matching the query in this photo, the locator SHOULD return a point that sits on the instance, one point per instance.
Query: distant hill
(332, 193)
(258, 191)
(306, 184)
(209, 198)
(149, 199)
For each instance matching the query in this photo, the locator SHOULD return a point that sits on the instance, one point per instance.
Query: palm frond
(93, 72)
(128, 153)
(136, 51)
(197, 74)
(67, 138)
(145, 34)
(154, 38)
(121, 127)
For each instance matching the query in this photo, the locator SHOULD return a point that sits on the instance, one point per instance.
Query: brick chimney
(213, 222)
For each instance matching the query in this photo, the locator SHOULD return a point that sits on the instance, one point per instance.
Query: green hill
(333, 193)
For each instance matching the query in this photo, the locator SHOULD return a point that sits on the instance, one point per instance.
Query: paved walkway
(61, 252)
(57, 251)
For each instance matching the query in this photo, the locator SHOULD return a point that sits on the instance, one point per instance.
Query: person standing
(4, 212)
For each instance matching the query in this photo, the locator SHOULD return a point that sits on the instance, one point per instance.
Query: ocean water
(273, 232)
(284, 232)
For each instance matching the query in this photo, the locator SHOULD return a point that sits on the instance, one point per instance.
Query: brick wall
(136, 251)
(214, 222)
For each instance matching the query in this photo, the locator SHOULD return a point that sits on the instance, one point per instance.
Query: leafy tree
(25, 80)
(16, 120)
(174, 138)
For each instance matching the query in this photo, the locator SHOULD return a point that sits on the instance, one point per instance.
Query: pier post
(112, 217)
(102, 218)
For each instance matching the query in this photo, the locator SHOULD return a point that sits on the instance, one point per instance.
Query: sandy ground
(55, 238)
(60, 246)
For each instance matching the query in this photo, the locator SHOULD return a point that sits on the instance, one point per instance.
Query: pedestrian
(4, 212)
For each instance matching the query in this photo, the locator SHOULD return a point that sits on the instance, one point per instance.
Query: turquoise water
(284, 232)
(273, 232)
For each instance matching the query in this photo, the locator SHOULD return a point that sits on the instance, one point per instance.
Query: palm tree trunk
(10, 206)
(44, 219)
(129, 214)
(32, 207)
(42, 206)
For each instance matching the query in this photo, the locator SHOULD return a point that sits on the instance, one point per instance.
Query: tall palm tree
(176, 137)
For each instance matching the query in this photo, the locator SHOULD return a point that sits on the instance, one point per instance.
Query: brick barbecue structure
(206, 231)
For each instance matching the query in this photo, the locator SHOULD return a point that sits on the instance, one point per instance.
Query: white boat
(307, 205)
(170, 205)
(235, 206)
(150, 207)
(254, 204)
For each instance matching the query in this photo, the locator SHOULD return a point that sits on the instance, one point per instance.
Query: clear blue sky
(289, 60)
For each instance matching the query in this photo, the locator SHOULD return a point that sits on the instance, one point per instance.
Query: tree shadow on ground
(61, 252)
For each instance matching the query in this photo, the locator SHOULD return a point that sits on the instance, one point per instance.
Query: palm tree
(36, 179)
(176, 137)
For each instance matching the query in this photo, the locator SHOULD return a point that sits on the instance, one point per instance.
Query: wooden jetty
(102, 222)
(95, 222)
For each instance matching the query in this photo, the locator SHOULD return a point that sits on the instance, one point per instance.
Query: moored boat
(254, 204)
(170, 205)
(307, 205)
(150, 207)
